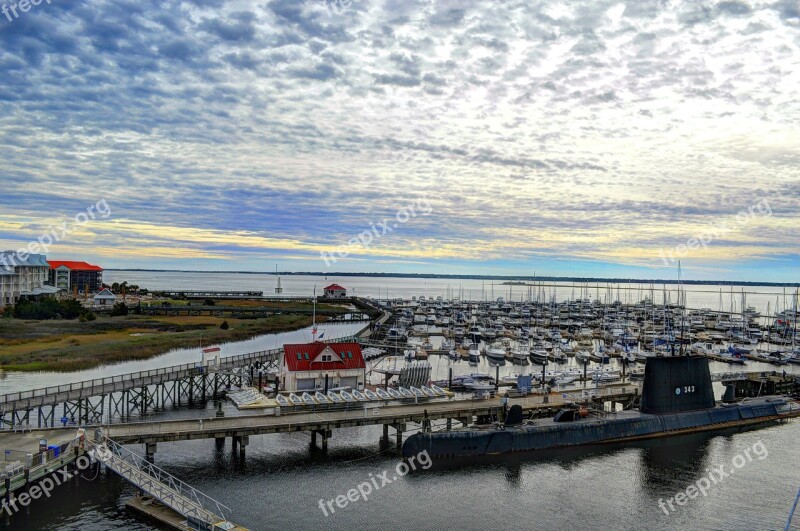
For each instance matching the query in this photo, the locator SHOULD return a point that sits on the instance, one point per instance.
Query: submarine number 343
(685, 389)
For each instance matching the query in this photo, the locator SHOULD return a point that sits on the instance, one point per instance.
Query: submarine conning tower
(673, 384)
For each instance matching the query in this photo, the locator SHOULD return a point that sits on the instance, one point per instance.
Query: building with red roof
(305, 366)
(71, 276)
(335, 291)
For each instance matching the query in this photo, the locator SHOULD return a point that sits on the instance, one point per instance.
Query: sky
(583, 138)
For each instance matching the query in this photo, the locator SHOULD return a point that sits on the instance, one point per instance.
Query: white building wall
(18, 275)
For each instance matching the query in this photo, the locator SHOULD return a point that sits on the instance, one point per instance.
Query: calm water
(282, 479)
(697, 296)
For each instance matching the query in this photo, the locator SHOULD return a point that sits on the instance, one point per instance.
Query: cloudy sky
(585, 138)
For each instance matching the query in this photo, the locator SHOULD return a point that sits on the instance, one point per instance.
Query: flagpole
(314, 317)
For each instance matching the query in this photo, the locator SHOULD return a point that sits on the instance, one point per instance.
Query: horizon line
(525, 278)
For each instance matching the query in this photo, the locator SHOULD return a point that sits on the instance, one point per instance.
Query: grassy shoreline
(65, 346)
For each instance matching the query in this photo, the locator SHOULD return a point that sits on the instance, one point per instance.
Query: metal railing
(728, 376)
(18, 461)
(177, 494)
(132, 378)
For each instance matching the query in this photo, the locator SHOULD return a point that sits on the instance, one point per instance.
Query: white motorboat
(334, 397)
(605, 377)
(370, 394)
(358, 395)
(439, 390)
(479, 386)
(308, 399)
(428, 391)
(496, 353)
(383, 394)
(322, 399)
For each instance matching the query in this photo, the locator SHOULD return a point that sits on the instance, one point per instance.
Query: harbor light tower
(278, 288)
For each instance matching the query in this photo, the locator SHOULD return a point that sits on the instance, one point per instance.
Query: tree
(209, 302)
(224, 325)
(119, 309)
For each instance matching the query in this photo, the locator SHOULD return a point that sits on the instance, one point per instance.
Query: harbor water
(716, 297)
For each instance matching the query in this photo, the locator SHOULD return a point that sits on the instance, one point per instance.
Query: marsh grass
(71, 346)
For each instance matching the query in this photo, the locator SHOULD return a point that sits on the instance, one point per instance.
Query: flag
(322, 335)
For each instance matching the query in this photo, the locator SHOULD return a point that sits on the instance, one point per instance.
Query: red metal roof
(353, 361)
(335, 287)
(81, 266)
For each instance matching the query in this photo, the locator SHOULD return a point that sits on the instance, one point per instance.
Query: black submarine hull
(677, 398)
(621, 427)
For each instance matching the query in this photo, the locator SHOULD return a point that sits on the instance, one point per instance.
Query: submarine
(677, 399)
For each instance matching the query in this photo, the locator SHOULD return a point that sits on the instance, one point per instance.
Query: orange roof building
(75, 276)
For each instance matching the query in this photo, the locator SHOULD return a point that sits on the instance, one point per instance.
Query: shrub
(119, 309)
(224, 325)
(48, 309)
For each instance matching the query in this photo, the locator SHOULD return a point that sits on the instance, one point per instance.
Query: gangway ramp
(201, 511)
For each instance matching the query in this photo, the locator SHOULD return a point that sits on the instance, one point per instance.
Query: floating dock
(156, 510)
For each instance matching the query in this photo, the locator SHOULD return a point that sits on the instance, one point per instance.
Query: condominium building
(23, 275)
(75, 276)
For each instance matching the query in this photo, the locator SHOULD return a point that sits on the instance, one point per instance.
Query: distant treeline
(486, 277)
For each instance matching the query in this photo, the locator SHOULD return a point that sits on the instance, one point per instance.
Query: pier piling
(150, 452)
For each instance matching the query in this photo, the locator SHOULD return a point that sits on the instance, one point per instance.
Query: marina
(527, 358)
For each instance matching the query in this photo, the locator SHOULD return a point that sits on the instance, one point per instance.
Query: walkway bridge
(90, 401)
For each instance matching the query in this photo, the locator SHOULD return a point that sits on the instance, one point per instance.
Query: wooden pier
(322, 421)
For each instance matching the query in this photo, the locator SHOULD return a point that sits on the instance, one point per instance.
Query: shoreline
(518, 278)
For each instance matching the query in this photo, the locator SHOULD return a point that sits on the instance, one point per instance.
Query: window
(349, 354)
(306, 355)
(299, 356)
